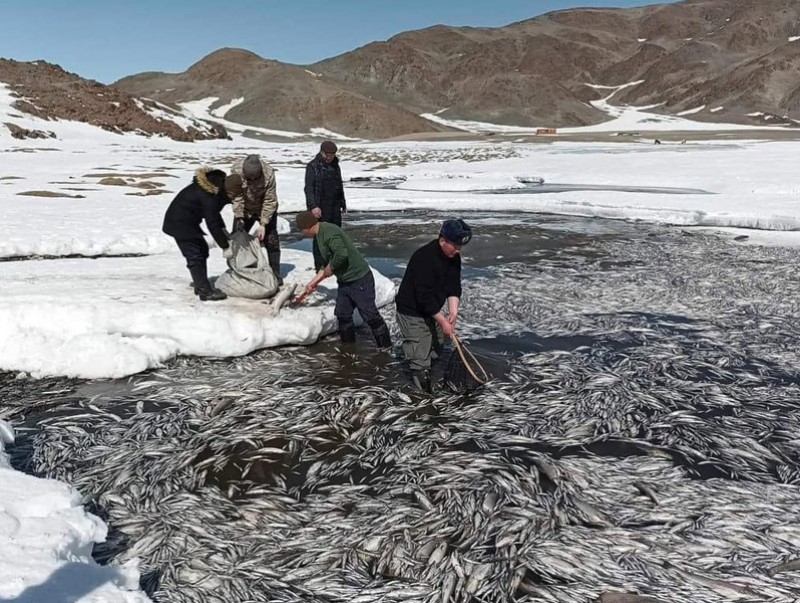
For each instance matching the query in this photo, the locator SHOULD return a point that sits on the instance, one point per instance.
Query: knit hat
(251, 167)
(233, 186)
(328, 146)
(456, 232)
(305, 220)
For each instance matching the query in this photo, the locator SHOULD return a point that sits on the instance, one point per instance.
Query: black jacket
(199, 201)
(431, 277)
(324, 188)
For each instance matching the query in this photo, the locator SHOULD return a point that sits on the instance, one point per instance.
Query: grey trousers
(422, 340)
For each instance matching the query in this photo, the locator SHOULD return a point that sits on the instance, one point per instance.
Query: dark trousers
(271, 240)
(333, 218)
(358, 295)
(196, 253)
(194, 250)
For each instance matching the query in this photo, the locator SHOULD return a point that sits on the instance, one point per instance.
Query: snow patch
(330, 134)
(162, 112)
(628, 118)
(119, 316)
(692, 111)
(47, 541)
(201, 109)
(223, 109)
(477, 127)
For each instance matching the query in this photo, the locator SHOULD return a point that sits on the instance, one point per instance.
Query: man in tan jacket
(258, 202)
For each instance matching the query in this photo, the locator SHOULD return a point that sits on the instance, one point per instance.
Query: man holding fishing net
(433, 276)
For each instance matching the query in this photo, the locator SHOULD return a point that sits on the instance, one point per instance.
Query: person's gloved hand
(262, 231)
(227, 253)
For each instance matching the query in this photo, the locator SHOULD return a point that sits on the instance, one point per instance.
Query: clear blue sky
(109, 39)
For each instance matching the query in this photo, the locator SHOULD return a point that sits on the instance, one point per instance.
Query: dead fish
(789, 566)
(646, 491)
(625, 598)
(724, 588)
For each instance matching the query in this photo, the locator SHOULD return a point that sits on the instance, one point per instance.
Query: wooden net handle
(466, 364)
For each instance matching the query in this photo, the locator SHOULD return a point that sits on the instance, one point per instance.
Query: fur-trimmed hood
(201, 179)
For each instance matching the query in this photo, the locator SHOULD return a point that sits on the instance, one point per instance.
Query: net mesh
(463, 372)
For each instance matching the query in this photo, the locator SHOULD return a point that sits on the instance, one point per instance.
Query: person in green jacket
(353, 276)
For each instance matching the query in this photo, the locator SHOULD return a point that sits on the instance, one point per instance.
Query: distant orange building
(545, 131)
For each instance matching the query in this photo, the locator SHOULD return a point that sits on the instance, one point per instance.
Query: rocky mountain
(277, 96)
(47, 91)
(738, 58)
(718, 60)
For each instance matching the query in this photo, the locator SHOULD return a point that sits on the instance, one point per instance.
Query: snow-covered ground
(113, 317)
(110, 317)
(46, 540)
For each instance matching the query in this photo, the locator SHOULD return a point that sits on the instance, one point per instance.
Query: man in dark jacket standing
(202, 200)
(353, 276)
(325, 191)
(433, 276)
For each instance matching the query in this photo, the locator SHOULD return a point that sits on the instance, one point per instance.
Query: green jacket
(337, 250)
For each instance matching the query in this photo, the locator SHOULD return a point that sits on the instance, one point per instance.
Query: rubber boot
(348, 334)
(381, 333)
(274, 258)
(203, 288)
(422, 380)
(212, 295)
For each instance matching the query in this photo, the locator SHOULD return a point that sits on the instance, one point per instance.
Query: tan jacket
(260, 201)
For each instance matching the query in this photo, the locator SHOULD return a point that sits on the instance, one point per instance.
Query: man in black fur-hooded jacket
(202, 200)
(325, 191)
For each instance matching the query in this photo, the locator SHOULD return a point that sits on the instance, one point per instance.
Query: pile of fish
(650, 447)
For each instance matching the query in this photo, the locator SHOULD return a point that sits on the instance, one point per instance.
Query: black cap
(457, 232)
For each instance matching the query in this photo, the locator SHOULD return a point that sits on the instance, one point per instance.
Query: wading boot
(348, 334)
(274, 259)
(381, 334)
(421, 380)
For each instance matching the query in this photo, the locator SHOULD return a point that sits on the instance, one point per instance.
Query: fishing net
(463, 372)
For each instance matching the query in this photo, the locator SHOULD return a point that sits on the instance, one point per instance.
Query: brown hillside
(537, 70)
(49, 92)
(734, 56)
(278, 96)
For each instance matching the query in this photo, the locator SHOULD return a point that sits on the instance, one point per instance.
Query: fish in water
(611, 597)
(644, 445)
